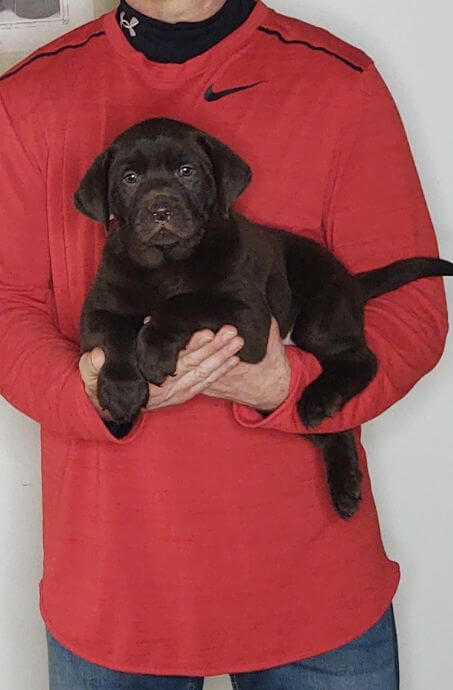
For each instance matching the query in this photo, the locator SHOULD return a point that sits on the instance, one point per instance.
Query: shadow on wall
(31, 9)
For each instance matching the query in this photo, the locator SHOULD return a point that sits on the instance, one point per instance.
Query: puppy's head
(163, 181)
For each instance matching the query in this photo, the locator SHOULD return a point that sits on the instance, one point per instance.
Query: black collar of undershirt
(163, 42)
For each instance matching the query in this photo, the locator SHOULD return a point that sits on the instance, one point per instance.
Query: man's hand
(205, 359)
(210, 365)
(263, 386)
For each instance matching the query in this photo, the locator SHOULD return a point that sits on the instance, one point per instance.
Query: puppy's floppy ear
(91, 198)
(231, 172)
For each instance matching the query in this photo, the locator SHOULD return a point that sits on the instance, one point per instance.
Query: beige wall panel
(7, 60)
(101, 6)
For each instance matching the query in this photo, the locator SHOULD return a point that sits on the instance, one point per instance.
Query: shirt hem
(236, 667)
(285, 417)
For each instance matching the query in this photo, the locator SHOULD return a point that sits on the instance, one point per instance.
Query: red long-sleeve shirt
(204, 542)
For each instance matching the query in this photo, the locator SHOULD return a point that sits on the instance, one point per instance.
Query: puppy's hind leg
(343, 473)
(343, 376)
(335, 337)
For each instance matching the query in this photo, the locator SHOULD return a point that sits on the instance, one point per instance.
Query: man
(202, 541)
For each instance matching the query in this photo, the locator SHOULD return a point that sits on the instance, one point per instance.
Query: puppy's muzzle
(163, 220)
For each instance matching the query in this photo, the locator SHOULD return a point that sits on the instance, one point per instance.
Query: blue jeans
(370, 662)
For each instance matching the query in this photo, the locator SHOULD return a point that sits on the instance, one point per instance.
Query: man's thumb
(97, 359)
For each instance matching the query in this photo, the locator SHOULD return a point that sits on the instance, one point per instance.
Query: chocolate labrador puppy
(179, 253)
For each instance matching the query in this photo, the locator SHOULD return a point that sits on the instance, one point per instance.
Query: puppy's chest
(152, 290)
(176, 281)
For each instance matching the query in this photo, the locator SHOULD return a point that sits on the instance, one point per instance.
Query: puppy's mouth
(164, 237)
(163, 224)
(162, 234)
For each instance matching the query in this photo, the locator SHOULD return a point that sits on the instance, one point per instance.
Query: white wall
(409, 447)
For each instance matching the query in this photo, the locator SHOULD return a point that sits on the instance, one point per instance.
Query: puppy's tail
(381, 280)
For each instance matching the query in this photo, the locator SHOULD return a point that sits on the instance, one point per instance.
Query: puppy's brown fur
(179, 253)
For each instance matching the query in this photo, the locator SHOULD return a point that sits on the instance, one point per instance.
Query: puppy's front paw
(122, 391)
(157, 355)
(317, 403)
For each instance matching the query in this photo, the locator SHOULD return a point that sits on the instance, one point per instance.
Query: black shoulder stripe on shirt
(281, 38)
(49, 54)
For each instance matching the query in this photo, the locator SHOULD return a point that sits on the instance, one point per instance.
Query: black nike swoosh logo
(210, 95)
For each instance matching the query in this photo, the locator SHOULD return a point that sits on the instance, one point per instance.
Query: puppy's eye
(186, 170)
(130, 177)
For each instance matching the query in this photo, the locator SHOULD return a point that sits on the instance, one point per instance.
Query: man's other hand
(263, 386)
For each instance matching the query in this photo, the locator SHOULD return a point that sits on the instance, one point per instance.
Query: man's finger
(97, 359)
(191, 360)
(274, 325)
(198, 339)
(158, 397)
(90, 365)
(205, 369)
(202, 385)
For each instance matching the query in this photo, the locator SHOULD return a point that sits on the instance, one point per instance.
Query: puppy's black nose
(161, 214)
